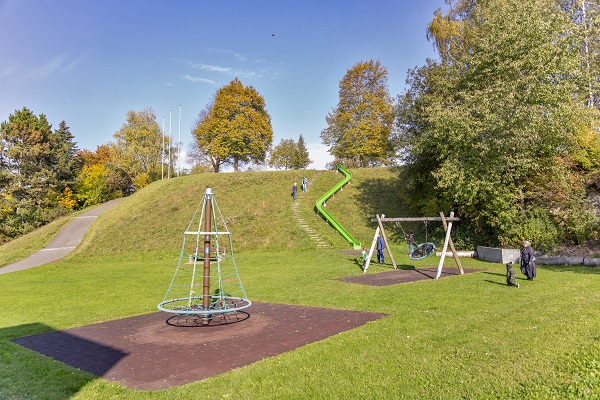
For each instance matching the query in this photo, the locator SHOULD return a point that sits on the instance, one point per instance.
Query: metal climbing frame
(206, 281)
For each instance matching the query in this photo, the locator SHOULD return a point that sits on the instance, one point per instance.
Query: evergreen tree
(301, 159)
(36, 164)
(65, 159)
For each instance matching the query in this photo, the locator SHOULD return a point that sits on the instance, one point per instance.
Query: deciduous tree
(236, 128)
(359, 128)
(490, 123)
(138, 147)
(100, 178)
(282, 156)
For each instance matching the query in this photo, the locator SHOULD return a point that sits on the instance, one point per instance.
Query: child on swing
(411, 242)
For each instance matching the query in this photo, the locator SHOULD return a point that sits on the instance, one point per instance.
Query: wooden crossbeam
(415, 219)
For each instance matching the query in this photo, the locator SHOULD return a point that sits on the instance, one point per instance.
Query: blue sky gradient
(89, 62)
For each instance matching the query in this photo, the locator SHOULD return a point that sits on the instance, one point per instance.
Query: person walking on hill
(380, 248)
(304, 183)
(294, 191)
(528, 261)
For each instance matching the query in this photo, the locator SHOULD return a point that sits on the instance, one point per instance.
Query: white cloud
(77, 60)
(225, 70)
(48, 68)
(196, 79)
(237, 56)
(10, 70)
(57, 65)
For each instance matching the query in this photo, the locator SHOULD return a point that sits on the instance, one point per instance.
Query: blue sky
(89, 62)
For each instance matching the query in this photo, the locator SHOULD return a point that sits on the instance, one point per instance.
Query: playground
(155, 355)
(318, 327)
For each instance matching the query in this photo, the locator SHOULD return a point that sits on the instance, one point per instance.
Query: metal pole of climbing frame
(207, 229)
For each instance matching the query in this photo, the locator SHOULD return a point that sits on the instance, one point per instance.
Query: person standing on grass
(304, 183)
(364, 257)
(380, 248)
(294, 191)
(528, 261)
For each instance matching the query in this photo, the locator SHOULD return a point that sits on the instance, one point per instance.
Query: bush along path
(320, 242)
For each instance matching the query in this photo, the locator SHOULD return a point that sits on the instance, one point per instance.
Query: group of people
(527, 259)
(304, 187)
(527, 265)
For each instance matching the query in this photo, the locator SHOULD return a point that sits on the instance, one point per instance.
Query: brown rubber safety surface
(402, 276)
(155, 351)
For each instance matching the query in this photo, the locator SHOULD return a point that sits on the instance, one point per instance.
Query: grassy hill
(256, 207)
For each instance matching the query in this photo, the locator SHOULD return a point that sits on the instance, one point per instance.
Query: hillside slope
(256, 206)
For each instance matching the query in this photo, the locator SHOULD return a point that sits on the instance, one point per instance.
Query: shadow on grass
(388, 196)
(496, 283)
(493, 273)
(46, 363)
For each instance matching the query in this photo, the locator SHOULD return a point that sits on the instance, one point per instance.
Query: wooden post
(439, 271)
(371, 251)
(454, 253)
(387, 246)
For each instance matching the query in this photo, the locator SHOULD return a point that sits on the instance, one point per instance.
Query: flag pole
(170, 136)
(162, 154)
(179, 144)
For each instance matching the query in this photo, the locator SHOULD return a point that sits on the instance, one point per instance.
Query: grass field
(467, 336)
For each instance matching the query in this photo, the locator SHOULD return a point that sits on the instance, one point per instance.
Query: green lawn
(467, 336)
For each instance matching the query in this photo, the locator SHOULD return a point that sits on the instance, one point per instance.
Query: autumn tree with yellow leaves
(359, 129)
(235, 129)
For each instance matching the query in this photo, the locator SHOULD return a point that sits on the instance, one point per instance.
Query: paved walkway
(67, 239)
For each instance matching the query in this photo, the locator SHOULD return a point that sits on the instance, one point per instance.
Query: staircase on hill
(321, 243)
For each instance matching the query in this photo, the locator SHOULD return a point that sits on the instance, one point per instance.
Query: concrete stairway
(320, 242)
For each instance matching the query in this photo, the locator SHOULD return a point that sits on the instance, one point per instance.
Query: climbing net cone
(206, 282)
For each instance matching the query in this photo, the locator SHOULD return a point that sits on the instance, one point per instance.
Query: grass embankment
(468, 336)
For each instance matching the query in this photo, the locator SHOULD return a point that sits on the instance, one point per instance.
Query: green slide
(347, 176)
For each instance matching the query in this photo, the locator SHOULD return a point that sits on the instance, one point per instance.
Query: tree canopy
(500, 119)
(139, 147)
(36, 165)
(235, 128)
(359, 128)
(290, 155)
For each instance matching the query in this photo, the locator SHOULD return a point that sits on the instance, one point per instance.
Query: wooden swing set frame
(447, 223)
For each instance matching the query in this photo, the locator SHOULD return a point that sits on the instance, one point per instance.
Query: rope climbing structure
(206, 282)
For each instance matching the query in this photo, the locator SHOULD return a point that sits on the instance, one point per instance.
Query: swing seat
(421, 251)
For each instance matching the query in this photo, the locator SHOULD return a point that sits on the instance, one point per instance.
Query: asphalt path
(65, 241)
